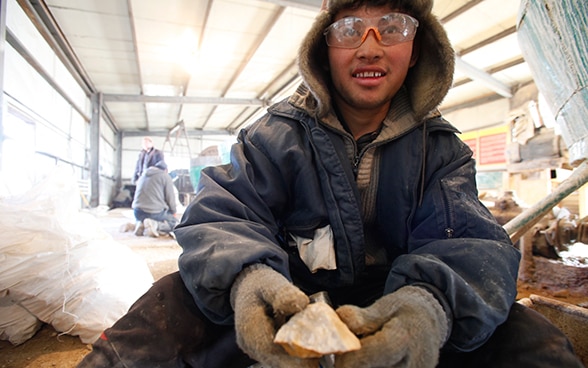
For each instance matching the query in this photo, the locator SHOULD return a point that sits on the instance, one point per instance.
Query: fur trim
(427, 82)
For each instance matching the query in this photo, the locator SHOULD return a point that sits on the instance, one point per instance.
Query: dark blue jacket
(291, 175)
(145, 160)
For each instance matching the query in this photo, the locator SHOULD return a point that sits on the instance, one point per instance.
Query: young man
(355, 186)
(154, 204)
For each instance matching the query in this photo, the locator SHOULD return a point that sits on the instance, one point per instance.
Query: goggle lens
(391, 29)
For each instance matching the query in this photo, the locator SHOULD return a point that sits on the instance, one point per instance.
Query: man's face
(368, 77)
(147, 144)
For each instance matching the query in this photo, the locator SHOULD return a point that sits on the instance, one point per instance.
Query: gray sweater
(155, 192)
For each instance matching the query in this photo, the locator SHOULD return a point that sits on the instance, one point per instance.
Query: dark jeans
(164, 328)
(166, 219)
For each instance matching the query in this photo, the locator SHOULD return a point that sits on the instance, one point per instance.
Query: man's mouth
(368, 75)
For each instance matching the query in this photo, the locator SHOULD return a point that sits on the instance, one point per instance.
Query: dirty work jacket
(290, 175)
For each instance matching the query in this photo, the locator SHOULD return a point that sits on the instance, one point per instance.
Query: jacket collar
(400, 118)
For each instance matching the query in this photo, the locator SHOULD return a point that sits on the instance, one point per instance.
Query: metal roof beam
(271, 23)
(492, 70)
(185, 100)
(489, 40)
(133, 30)
(303, 4)
(46, 25)
(483, 77)
(46, 75)
(163, 133)
(188, 78)
(464, 8)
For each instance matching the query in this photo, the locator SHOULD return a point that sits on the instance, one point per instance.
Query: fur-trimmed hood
(427, 82)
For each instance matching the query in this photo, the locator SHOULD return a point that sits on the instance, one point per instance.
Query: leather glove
(262, 300)
(402, 329)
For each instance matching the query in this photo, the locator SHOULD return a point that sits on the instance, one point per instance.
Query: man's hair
(404, 6)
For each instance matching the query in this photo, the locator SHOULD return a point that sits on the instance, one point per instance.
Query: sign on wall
(489, 146)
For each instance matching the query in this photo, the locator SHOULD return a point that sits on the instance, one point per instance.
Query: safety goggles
(391, 29)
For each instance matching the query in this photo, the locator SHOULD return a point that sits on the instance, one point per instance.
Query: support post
(96, 100)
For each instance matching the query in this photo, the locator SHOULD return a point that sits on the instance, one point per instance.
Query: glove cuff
(434, 308)
(245, 273)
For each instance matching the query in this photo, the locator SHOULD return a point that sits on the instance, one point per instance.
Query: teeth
(368, 75)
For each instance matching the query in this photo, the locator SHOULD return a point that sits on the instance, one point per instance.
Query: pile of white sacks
(58, 266)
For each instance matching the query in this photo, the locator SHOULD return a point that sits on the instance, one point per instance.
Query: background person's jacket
(145, 160)
(155, 192)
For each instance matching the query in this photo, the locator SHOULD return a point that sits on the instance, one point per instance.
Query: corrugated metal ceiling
(216, 64)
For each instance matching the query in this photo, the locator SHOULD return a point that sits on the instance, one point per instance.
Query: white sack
(59, 265)
(17, 325)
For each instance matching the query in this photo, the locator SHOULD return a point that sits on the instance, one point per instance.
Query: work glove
(402, 329)
(263, 299)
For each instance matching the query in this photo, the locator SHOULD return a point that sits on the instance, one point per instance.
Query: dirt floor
(50, 349)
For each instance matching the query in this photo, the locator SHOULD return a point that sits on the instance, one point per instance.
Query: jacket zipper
(449, 231)
(356, 163)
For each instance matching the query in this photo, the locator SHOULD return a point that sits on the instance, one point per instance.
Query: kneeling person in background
(154, 204)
